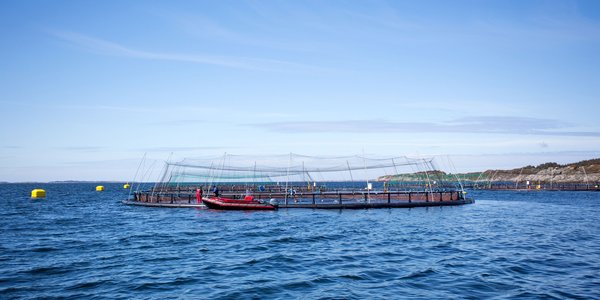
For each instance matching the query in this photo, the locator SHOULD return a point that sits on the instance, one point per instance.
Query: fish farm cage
(302, 181)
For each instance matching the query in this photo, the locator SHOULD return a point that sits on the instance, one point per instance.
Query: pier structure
(533, 186)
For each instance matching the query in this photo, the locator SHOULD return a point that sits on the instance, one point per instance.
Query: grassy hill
(583, 171)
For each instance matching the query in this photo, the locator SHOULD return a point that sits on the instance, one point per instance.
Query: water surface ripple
(78, 243)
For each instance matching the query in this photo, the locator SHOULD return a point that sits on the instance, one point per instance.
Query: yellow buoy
(100, 188)
(126, 186)
(38, 193)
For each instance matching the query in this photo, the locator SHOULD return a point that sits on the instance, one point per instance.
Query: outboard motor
(273, 202)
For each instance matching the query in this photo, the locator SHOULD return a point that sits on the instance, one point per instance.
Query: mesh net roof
(291, 168)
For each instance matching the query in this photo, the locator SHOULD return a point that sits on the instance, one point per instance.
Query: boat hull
(230, 204)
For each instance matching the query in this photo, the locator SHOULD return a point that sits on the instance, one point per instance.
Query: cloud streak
(480, 124)
(178, 122)
(105, 47)
(176, 149)
(127, 109)
(200, 26)
(82, 148)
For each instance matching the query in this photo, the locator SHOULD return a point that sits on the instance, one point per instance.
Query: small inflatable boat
(247, 203)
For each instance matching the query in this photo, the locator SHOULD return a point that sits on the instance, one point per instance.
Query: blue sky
(88, 87)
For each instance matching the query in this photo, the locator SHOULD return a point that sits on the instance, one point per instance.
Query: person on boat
(249, 196)
(216, 191)
(199, 195)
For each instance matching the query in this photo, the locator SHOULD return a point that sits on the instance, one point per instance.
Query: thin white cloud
(164, 109)
(105, 47)
(176, 149)
(107, 162)
(178, 122)
(542, 26)
(200, 26)
(127, 109)
(480, 124)
(82, 148)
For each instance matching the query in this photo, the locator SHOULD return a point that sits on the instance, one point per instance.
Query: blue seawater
(78, 243)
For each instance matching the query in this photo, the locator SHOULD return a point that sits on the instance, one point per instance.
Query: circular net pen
(295, 180)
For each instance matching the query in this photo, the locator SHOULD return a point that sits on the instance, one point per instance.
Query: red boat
(247, 203)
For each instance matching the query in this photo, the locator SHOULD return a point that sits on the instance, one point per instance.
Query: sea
(81, 244)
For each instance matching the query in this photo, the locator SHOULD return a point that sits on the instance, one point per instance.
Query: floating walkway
(537, 186)
(172, 205)
(320, 205)
(328, 200)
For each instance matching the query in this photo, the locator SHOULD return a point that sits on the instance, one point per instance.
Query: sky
(87, 88)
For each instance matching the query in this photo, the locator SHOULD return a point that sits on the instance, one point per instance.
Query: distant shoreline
(578, 172)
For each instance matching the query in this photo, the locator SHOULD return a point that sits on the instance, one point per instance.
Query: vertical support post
(368, 197)
(409, 197)
(339, 198)
(428, 181)
(287, 181)
(313, 198)
(389, 197)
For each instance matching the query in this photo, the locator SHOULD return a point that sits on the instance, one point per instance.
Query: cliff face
(558, 174)
(583, 171)
(433, 175)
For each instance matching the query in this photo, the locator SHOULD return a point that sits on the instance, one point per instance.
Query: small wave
(533, 295)
(420, 274)
(297, 285)
(88, 284)
(285, 240)
(272, 259)
(352, 276)
(48, 270)
(44, 249)
(518, 270)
